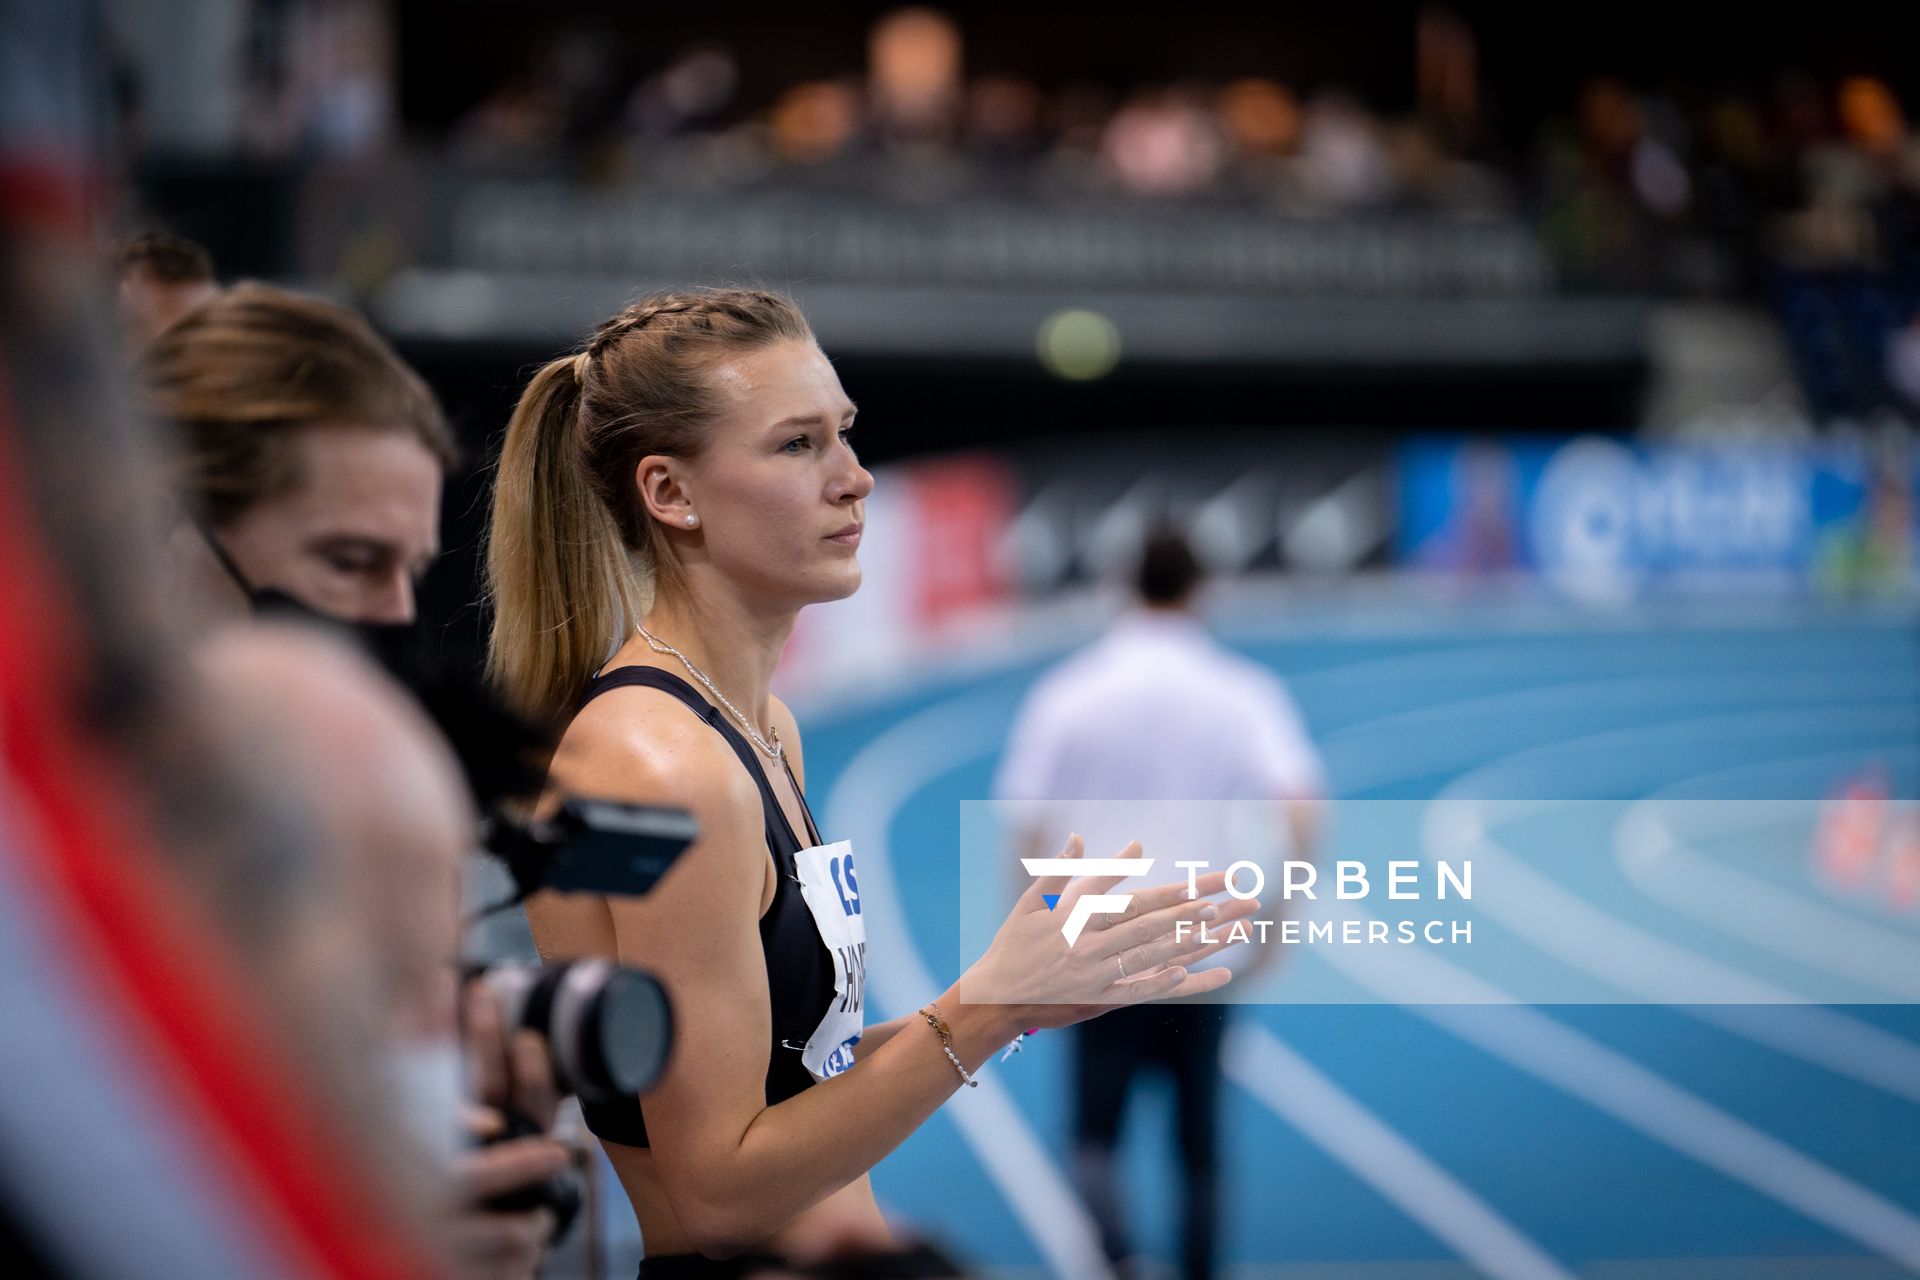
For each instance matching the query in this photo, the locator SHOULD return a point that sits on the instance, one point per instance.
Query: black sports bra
(800, 973)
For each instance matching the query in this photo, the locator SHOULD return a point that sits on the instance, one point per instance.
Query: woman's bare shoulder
(643, 746)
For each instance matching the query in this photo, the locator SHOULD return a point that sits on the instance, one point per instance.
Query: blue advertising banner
(1600, 518)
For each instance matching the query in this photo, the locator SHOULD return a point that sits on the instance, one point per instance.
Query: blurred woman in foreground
(309, 461)
(311, 455)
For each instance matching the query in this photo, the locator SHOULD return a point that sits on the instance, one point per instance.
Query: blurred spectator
(1872, 551)
(525, 118)
(1075, 123)
(1683, 189)
(1903, 360)
(1003, 119)
(340, 90)
(314, 457)
(1481, 535)
(694, 88)
(310, 455)
(1163, 143)
(1871, 116)
(552, 110)
(312, 826)
(1260, 117)
(371, 803)
(1342, 161)
(166, 758)
(913, 77)
(1422, 172)
(370, 962)
(815, 121)
(1158, 711)
(1448, 71)
(161, 278)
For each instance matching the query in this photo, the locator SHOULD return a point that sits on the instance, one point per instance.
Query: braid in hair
(698, 317)
(565, 487)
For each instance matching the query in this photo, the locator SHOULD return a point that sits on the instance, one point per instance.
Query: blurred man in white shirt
(1157, 711)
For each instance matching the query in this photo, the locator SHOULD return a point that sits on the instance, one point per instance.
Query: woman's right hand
(1137, 956)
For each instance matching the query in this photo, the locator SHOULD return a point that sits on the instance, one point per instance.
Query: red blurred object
(1852, 828)
(158, 979)
(962, 508)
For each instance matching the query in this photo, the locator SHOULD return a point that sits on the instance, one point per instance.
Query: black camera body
(590, 846)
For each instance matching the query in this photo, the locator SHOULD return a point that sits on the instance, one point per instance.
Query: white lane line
(1355, 750)
(1643, 1100)
(1302, 1096)
(1615, 1084)
(1565, 925)
(1650, 968)
(1867, 719)
(1639, 962)
(871, 790)
(873, 787)
(1389, 613)
(1737, 780)
(1853, 1043)
(1658, 862)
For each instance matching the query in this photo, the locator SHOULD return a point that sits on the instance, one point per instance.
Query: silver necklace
(773, 749)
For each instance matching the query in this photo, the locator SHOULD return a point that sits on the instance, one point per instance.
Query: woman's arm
(873, 1037)
(734, 1169)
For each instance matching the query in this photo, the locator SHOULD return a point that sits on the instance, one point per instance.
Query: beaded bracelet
(932, 1014)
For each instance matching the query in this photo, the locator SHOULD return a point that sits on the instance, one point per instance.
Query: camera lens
(635, 1025)
(609, 1029)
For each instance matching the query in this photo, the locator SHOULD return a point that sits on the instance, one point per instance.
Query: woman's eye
(846, 434)
(796, 444)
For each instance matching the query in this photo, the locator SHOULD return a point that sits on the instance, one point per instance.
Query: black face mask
(260, 600)
(398, 646)
(502, 754)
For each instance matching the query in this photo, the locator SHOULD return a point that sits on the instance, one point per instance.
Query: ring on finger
(1122, 962)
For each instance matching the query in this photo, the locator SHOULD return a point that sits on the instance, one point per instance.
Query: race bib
(832, 893)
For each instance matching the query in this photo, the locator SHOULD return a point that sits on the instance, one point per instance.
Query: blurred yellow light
(1079, 345)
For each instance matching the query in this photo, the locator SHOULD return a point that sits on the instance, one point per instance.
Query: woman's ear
(663, 493)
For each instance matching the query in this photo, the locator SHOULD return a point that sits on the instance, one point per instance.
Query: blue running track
(1592, 1140)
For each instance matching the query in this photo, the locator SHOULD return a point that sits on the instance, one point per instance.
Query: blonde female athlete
(668, 500)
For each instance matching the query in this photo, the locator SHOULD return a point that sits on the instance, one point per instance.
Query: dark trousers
(1109, 1051)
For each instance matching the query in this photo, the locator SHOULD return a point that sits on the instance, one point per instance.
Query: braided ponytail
(573, 558)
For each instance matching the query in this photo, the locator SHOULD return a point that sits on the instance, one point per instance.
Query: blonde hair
(573, 559)
(238, 374)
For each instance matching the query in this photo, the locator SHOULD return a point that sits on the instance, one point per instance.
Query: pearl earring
(692, 521)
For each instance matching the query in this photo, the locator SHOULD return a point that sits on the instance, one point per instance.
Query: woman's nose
(856, 482)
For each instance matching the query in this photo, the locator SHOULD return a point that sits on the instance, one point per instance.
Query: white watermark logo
(1087, 904)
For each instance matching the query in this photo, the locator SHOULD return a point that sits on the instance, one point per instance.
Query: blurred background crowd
(1682, 175)
(1012, 229)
